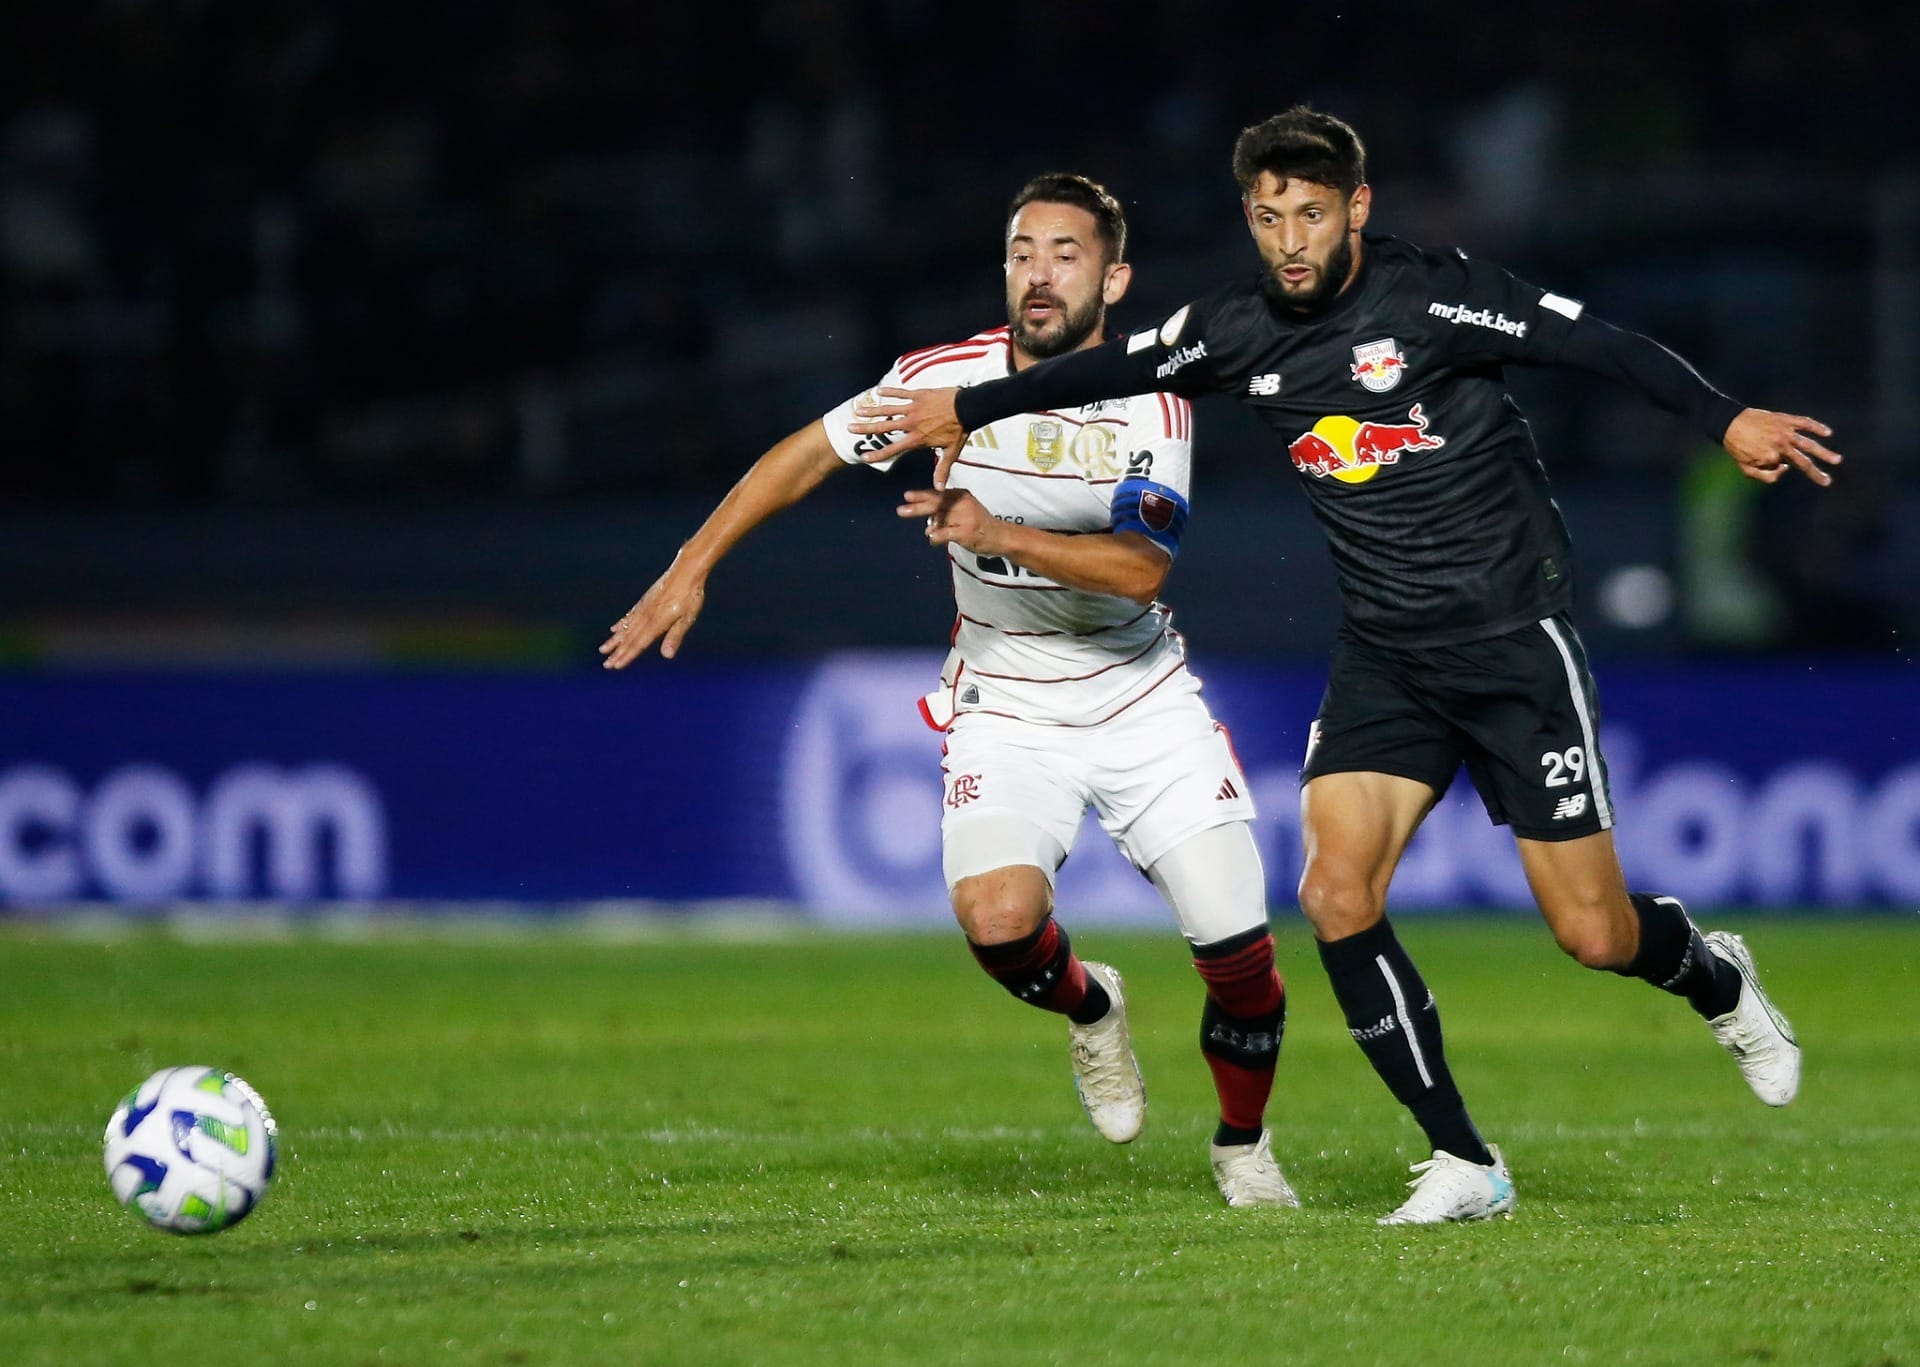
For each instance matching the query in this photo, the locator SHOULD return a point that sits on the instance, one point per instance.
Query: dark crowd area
(273, 254)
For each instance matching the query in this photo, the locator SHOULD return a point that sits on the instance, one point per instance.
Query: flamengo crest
(1378, 365)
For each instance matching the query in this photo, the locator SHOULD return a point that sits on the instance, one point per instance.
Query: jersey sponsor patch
(1353, 451)
(1185, 356)
(875, 441)
(1465, 315)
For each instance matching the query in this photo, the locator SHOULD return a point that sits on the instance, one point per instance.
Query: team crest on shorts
(1378, 365)
(1046, 444)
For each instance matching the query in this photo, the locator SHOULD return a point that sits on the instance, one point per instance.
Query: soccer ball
(191, 1150)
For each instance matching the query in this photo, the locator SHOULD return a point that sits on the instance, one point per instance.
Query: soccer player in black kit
(1378, 362)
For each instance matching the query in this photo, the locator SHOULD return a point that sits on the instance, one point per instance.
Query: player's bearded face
(1056, 272)
(1305, 235)
(1046, 322)
(1287, 286)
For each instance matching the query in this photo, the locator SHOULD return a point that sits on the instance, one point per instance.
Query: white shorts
(1158, 773)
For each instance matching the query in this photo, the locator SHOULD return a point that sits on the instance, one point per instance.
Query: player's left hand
(1765, 445)
(913, 418)
(957, 516)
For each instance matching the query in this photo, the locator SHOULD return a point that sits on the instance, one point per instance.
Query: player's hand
(665, 613)
(954, 515)
(913, 418)
(1765, 445)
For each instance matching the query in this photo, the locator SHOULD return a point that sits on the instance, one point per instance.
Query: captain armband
(1154, 510)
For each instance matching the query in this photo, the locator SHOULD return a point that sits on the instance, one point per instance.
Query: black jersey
(1394, 414)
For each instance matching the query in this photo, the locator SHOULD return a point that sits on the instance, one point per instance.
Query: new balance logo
(1227, 791)
(1571, 807)
(1264, 384)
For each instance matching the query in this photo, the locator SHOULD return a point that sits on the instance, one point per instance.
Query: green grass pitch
(855, 1148)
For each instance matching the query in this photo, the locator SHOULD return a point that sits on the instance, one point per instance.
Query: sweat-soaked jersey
(1024, 646)
(1395, 417)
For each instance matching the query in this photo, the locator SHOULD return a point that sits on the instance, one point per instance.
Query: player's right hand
(665, 613)
(1765, 445)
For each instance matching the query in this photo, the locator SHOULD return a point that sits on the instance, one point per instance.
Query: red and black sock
(1240, 1029)
(1042, 970)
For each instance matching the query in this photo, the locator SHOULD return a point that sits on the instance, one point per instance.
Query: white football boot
(1105, 1073)
(1757, 1035)
(1450, 1188)
(1247, 1175)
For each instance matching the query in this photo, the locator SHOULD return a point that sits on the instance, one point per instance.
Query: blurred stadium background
(359, 363)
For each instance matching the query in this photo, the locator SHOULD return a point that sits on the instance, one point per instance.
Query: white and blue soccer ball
(191, 1150)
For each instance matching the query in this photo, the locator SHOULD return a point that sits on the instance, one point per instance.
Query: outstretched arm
(942, 418)
(1764, 444)
(787, 473)
(1125, 564)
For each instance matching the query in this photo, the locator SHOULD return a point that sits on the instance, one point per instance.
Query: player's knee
(1335, 904)
(993, 911)
(1594, 944)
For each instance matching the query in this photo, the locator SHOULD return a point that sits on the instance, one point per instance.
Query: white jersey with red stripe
(1024, 646)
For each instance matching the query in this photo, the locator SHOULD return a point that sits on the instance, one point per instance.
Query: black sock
(1391, 1016)
(1674, 958)
(1226, 1135)
(1095, 1005)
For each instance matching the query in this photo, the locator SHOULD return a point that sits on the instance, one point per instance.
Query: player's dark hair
(1301, 144)
(1063, 187)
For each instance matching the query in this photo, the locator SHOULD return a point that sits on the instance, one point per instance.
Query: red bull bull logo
(1353, 451)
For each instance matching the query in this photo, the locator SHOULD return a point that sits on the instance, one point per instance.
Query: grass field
(540, 1149)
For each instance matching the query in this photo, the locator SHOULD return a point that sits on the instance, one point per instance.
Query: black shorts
(1520, 711)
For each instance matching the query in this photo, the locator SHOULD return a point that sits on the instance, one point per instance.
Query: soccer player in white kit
(1066, 687)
